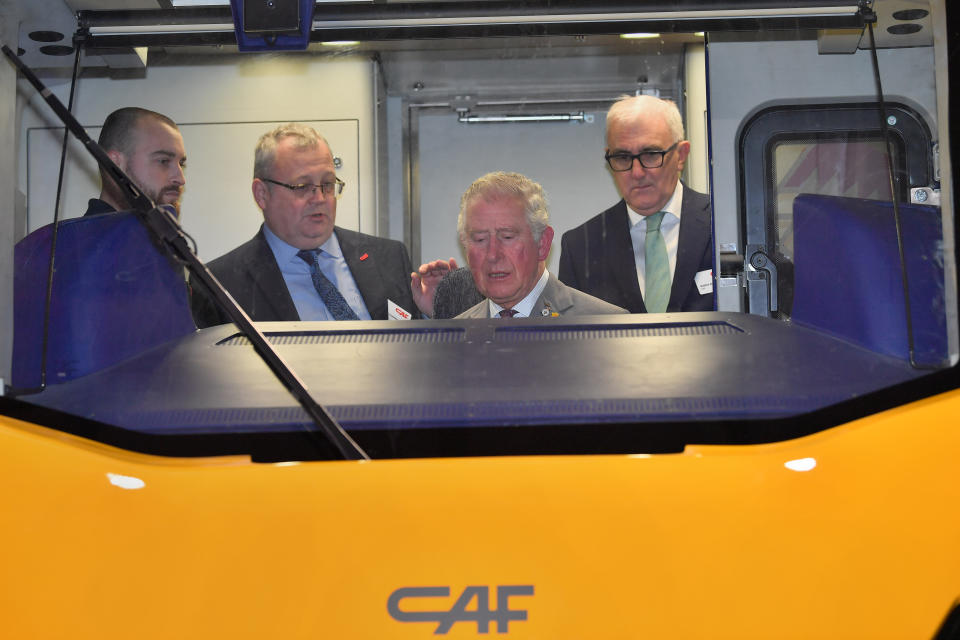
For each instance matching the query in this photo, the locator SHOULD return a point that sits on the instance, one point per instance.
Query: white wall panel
(222, 106)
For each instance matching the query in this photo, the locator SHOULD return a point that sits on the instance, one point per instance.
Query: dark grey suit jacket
(557, 299)
(597, 257)
(380, 267)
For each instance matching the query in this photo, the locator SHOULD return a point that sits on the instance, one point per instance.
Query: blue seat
(847, 279)
(114, 296)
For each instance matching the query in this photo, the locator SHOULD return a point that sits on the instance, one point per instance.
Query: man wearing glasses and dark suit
(300, 266)
(653, 250)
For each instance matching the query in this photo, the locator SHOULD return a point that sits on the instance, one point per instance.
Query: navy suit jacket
(597, 257)
(380, 267)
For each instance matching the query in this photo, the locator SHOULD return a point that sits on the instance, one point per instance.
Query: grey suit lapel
(479, 310)
(555, 298)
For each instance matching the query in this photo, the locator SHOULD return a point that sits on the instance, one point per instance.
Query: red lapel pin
(365, 256)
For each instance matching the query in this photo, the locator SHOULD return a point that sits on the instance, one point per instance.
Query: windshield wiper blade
(165, 229)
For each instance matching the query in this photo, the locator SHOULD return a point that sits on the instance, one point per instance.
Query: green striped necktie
(656, 273)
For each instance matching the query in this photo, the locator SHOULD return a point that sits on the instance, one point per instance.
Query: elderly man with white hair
(653, 250)
(505, 230)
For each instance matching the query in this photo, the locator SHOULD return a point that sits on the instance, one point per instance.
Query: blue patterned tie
(334, 302)
(656, 272)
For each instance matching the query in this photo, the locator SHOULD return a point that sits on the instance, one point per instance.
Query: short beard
(175, 204)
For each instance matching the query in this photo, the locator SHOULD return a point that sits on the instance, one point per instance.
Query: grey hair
(627, 107)
(266, 151)
(504, 184)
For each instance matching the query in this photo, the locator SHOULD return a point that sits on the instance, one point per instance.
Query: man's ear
(260, 193)
(118, 158)
(683, 150)
(546, 240)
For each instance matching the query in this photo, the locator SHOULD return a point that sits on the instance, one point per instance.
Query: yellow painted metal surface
(850, 533)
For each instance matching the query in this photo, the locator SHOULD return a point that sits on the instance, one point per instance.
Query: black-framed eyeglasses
(307, 189)
(648, 159)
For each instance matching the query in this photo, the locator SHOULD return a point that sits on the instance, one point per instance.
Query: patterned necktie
(334, 302)
(507, 313)
(656, 273)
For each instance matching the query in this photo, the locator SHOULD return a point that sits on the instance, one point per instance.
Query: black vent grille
(545, 333)
(395, 336)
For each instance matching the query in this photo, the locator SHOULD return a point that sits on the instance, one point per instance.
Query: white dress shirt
(525, 306)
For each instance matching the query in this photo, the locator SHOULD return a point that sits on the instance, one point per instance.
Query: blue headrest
(847, 277)
(114, 296)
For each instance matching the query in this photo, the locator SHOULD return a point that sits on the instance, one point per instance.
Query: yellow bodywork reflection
(717, 542)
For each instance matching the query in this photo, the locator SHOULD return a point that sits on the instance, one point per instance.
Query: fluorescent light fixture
(124, 30)
(340, 43)
(221, 3)
(678, 16)
(199, 3)
(466, 19)
(557, 117)
(638, 36)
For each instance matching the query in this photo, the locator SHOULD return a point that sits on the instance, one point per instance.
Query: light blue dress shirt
(296, 273)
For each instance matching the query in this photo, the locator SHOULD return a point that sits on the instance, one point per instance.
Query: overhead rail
(404, 20)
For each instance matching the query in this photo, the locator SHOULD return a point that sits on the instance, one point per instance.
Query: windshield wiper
(165, 230)
(870, 17)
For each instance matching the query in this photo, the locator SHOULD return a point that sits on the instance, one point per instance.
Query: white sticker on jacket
(704, 281)
(396, 312)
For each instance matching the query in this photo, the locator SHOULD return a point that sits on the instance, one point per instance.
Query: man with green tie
(653, 250)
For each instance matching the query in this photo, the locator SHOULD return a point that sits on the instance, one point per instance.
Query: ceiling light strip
(678, 16)
(729, 14)
(531, 118)
(161, 28)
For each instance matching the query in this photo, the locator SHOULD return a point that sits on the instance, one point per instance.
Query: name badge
(396, 312)
(704, 281)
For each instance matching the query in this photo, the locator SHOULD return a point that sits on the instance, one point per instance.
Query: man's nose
(637, 170)
(493, 250)
(179, 177)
